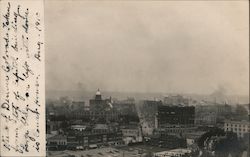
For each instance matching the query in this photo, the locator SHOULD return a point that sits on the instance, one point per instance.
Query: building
(175, 116)
(175, 130)
(241, 128)
(164, 140)
(100, 110)
(131, 134)
(192, 139)
(99, 104)
(89, 137)
(57, 142)
(173, 153)
(213, 113)
(205, 118)
(126, 111)
(52, 127)
(94, 116)
(78, 127)
(174, 100)
(98, 136)
(147, 110)
(125, 108)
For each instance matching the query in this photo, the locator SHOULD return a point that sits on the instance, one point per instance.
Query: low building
(131, 134)
(161, 138)
(87, 139)
(177, 131)
(173, 153)
(241, 128)
(100, 128)
(53, 126)
(78, 127)
(192, 139)
(99, 135)
(57, 142)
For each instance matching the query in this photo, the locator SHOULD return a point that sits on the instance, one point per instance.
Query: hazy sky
(146, 46)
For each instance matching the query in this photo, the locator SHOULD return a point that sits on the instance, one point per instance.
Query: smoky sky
(147, 46)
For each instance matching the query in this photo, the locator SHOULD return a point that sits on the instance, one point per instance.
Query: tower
(98, 95)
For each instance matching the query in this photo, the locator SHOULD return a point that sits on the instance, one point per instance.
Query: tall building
(147, 110)
(175, 116)
(125, 108)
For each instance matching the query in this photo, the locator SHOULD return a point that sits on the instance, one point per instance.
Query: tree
(208, 135)
(225, 143)
(229, 144)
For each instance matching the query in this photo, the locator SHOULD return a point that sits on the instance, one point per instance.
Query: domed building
(102, 108)
(98, 95)
(99, 104)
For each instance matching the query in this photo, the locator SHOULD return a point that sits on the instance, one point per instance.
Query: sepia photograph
(126, 78)
(147, 78)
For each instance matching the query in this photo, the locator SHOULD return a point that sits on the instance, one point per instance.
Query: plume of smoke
(219, 94)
